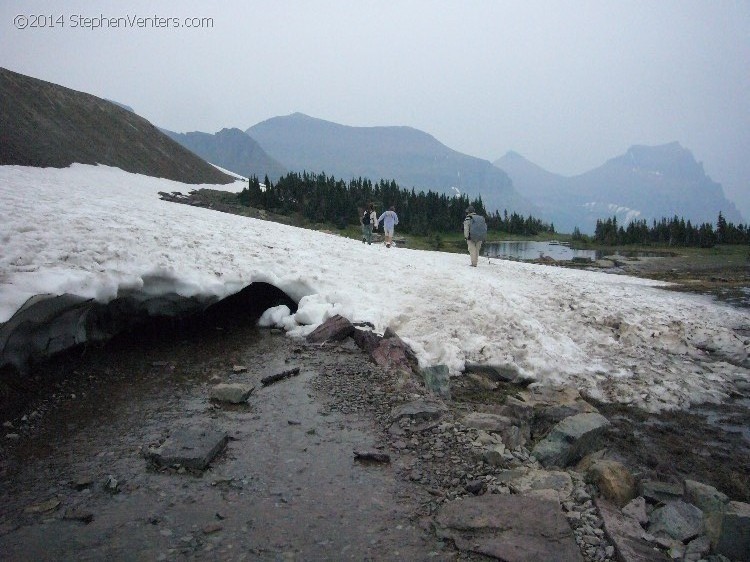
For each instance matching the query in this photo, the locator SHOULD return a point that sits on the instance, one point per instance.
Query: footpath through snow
(95, 231)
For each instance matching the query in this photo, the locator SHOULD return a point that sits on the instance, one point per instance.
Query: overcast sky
(566, 84)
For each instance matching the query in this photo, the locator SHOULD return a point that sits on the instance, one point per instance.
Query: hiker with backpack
(390, 219)
(475, 232)
(369, 220)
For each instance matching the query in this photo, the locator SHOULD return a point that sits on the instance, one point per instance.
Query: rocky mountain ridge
(646, 183)
(46, 125)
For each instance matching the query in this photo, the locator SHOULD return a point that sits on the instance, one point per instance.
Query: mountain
(646, 183)
(414, 159)
(46, 125)
(233, 150)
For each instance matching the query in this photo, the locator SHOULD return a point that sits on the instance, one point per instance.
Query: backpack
(478, 228)
(366, 218)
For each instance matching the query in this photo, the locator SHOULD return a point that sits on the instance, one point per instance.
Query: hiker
(369, 220)
(390, 219)
(475, 232)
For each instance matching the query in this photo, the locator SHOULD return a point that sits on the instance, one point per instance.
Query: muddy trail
(76, 485)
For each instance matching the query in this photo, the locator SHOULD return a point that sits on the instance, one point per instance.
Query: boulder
(709, 500)
(552, 404)
(678, 520)
(366, 340)
(636, 509)
(734, 539)
(508, 527)
(660, 492)
(614, 480)
(393, 354)
(336, 328)
(571, 439)
(627, 535)
(533, 481)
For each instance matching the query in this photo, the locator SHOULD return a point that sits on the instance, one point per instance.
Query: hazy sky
(568, 84)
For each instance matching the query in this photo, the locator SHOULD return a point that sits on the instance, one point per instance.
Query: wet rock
(614, 480)
(734, 540)
(232, 393)
(571, 439)
(679, 520)
(336, 328)
(190, 447)
(372, 456)
(508, 527)
(270, 379)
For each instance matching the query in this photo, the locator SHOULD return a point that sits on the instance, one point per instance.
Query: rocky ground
(289, 485)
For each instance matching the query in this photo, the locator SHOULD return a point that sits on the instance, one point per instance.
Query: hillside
(233, 150)
(46, 125)
(411, 157)
(646, 183)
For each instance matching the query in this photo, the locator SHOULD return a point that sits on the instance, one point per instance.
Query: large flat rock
(190, 447)
(511, 528)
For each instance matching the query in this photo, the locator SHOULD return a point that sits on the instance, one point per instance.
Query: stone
(513, 434)
(419, 410)
(627, 535)
(366, 340)
(508, 527)
(552, 404)
(533, 480)
(614, 480)
(232, 393)
(709, 500)
(660, 492)
(496, 373)
(393, 354)
(437, 380)
(636, 509)
(679, 520)
(336, 328)
(698, 548)
(190, 447)
(734, 539)
(571, 439)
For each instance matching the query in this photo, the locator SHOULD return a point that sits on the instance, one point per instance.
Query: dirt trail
(287, 486)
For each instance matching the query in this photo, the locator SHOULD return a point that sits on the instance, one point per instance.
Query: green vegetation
(673, 233)
(432, 216)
